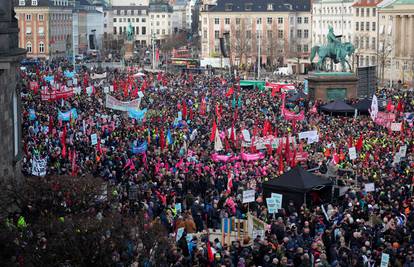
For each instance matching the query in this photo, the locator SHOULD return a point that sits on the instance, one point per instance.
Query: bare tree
(241, 41)
(174, 41)
(295, 51)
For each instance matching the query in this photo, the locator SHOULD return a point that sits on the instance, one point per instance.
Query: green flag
(21, 223)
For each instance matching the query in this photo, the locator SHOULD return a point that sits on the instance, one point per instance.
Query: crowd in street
(160, 155)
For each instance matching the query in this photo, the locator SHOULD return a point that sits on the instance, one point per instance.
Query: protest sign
(63, 93)
(106, 90)
(271, 205)
(113, 103)
(178, 207)
(278, 200)
(257, 233)
(369, 187)
(94, 139)
(246, 135)
(352, 153)
(403, 151)
(96, 76)
(310, 136)
(39, 166)
(180, 233)
(396, 126)
(140, 94)
(385, 258)
(248, 196)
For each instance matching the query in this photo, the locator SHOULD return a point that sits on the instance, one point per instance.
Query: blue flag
(69, 74)
(66, 116)
(32, 114)
(137, 114)
(139, 149)
(169, 138)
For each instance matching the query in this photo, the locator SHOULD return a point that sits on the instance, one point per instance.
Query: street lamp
(153, 38)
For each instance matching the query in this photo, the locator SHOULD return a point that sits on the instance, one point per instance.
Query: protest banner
(39, 166)
(137, 114)
(301, 156)
(246, 135)
(352, 153)
(385, 259)
(113, 103)
(310, 136)
(66, 116)
(33, 85)
(96, 76)
(248, 196)
(385, 119)
(63, 93)
(369, 187)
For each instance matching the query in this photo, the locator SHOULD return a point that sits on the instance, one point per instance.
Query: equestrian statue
(335, 50)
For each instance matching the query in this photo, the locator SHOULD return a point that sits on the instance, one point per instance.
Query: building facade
(396, 41)
(161, 20)
(365, 24)
(248, 25)
(137, 17)
(45, 27)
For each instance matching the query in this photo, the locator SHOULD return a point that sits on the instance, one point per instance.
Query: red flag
(157, 55)
(400, 107)
(74, 163)
(229, 182)
(213, 131)
(159, 76)
(389, 106)
(351, 142)
(230, 92)
(287, 149)
(281, 167)
(115, 85)
(210, 252)
(125, 89)
(359, 144)
(64, 151)
(184, 110)
(162, 140)
(50, 130)
(144, 86)
(232, 136)
(203, 107)
(253, 146)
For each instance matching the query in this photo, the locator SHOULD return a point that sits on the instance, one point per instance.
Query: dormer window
(228, 7)
(34, 2)
(22, 2)
(269, 7)
(248, 7)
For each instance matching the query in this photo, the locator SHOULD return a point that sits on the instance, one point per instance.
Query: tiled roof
(260, 6)
(367, 3)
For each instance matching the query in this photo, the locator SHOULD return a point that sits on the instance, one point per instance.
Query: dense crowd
(165, 157)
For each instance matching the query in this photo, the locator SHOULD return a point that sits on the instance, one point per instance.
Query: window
(269, 20)
(374, 12)
(137, 30)
(366, 42)
(129, 19)
(259, 21)
(41, 17)
(158, 31)
(306, 34)
(299, 20)
(299, 34)
(204, 20)
(367, 26)
(357, 26)
(28, 17)
(120, 30)
(41, 47)
(269, 34)
(41, 31)
(237, 21)
(248, 7)
(205, 34)
(114, 19)
(367, 12)
(362, 26)
(248, 34)
(228, 7)
(144, 30)
(298, 48)
(356, 41)
(362, 12)
(305, 20)
(22, 2)
(216, 34)
(374, 43)
(279, 20)
(34, 2)
(280, 34)
(28, 30)
(237, 34)
(269, 7)
(305, 48)
(29, 47)
(114, 30)
(163, 32)
(158, 23)
(216, 49)
(374, 26)
(227, 21)
(216, 21)
(143, 20)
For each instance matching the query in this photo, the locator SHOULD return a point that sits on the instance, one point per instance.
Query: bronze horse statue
(337, 54)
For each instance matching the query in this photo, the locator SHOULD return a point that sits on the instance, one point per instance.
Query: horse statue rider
(130, 33)
(335, 50)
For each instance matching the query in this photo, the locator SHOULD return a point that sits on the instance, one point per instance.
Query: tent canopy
(338, 106)
(365, 104)
(297, 180)
(258, 84)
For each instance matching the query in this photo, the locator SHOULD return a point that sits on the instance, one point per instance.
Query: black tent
(338, 106)
(298, 96)
(299, 185)
(364, 105)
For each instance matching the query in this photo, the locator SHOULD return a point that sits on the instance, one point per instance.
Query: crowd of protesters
(176, 140)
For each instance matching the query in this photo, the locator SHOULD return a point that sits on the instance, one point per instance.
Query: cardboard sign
(352, 153)
(257, 233)
(278, 200)
(248, 196)
(39, 167)
(403, 151)
(370, 187)
(396, 126)
(94, 139)
(178, 207)
(385, 259)
(271, 205)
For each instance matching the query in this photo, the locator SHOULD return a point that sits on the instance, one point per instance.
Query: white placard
(39, 167)
(352, 153)
(370, 187)
(94, 139)
(385, 258)
(396, 126)
(257, 233)
(278, 200)
(248, 196)
(246, 135)
(310, 136)
(403, 151)
(106, 89)
(140, 94)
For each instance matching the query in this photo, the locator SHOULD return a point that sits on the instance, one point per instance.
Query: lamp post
(153, 50)
(259, 54)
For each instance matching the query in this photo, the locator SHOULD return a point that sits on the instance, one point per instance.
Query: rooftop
(367, 3)
(260, 6)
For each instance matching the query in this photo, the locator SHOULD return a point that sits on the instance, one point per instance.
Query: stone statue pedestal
(129, 49)
(328, 86)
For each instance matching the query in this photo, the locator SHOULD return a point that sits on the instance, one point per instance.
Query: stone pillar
(403, 34)
(411, 36)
